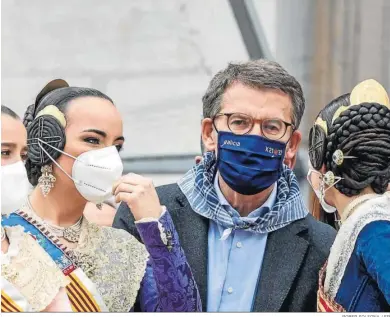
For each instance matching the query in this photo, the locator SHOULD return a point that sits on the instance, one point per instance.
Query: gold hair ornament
(338, 157)
(53, 111)
(367, 91)
(329, 178)
(321, 123)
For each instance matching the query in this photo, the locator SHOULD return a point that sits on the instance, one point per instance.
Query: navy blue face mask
(249, 164)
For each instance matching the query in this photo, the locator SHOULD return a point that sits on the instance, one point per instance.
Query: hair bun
(317, 150)
(361, 131)
(29, 115)
(52, 85)
(49, 130)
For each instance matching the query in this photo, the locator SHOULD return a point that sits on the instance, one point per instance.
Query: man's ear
(208, 136)
(290, 158)
(290, 162)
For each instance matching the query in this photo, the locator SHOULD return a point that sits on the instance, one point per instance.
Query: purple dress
(168, 284)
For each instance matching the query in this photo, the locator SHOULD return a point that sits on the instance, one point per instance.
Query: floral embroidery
(31, 269)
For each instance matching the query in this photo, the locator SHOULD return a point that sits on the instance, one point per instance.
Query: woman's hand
(139, 194)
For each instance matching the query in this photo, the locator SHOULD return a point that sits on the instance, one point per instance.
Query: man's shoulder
(171, 196)
(319, 234)
(172, 189)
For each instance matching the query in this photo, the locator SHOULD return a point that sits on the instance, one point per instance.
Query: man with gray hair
(242, 223)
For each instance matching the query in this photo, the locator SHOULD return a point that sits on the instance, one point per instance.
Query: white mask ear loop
(54, 161)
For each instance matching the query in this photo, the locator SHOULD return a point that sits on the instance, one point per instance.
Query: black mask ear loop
(216, 155)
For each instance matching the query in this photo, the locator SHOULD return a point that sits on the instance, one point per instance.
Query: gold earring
(47, 180)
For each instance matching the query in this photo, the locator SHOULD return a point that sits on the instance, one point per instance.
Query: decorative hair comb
(329, 178)
(53, 111)
(367, 91)
(321, 123)
(338, 157)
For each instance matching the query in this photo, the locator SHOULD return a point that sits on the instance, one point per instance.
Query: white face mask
(320, 193)
(14, 187)
(94, 172)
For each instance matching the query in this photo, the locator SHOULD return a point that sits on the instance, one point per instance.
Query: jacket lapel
(284, 254)
(193, 234)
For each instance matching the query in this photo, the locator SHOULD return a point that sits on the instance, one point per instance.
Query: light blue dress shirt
(234, 264)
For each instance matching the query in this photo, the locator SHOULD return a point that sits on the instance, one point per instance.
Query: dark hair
(7, 111)
(48, 127)
(361, 131)
(318, 136)
(256, 74)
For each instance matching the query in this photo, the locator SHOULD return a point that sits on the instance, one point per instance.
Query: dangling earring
(99, 206)
(47, 180)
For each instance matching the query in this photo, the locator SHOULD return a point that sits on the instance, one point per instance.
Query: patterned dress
(109, 267)
(356, 277)
(30, 278)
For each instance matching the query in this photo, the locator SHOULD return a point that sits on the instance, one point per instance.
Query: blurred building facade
(155, 59)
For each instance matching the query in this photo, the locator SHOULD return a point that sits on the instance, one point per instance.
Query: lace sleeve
(168, 284)
(31, 269)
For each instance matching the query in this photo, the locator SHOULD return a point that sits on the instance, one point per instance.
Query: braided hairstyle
(363, 132)
(47, 127)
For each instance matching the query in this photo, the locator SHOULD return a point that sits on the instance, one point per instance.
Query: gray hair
(255, 74)
(7, 111)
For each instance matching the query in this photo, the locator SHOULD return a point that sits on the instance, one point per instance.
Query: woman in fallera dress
(350, 172)
(30, 280)
(74, 140)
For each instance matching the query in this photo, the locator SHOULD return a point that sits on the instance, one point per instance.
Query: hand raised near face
(140, 195)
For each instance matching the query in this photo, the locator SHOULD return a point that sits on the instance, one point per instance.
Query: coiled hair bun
(46, 120)
(318, 135)
(362, 131)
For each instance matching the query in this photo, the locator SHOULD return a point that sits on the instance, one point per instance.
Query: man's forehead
(239, 97)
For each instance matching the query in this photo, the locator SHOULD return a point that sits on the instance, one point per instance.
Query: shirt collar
(268, 204)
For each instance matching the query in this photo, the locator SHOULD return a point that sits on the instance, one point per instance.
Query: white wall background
(154, 58)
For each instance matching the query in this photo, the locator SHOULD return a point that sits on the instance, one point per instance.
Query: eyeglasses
(241, 123)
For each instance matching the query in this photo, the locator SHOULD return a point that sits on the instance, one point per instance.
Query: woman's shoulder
(374, 232)
(373, 220)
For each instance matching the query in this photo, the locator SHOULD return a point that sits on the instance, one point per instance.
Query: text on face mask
(273, 151)
(230, 142)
